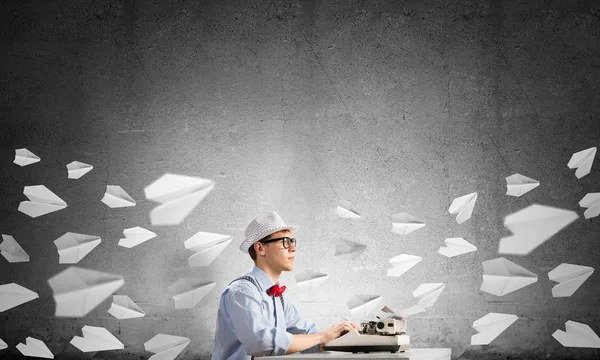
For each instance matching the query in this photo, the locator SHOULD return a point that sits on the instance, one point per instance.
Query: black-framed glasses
(286, 241)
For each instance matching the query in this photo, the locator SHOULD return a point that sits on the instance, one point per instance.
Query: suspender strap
(252, 280)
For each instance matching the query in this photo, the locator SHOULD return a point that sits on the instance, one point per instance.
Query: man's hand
(336, 331)
(302, 342)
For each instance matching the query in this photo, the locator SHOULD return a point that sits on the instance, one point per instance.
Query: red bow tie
(275, 290)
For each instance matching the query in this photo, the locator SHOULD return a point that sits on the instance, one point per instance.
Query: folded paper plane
(517, 185)
(402, 263)
(591, 201)
(77, 169)
(583, 161)
(135, 236)
(570, 277)
(96, 338)
(78, 291)
(362, 305)
(490, 327)
(116, 197)
(310, 280)
(348, 250)
(346, 210)
(12, 251)
(41, 201)
(187, 294)
(404, 223)
(427, 295)
(532, 226)
(24, 157)
(206, 247)
(12, 295)
(179, 196)
(73, 247)
(577, 335)
(456, 246)
(463, 206)
(123, 307)
(166, 347)
(501, 277)
(35, 348)
(3, 345)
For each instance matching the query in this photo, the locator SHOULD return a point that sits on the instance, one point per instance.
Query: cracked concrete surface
(292, 106)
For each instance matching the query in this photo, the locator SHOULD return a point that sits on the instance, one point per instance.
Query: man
(255, 317)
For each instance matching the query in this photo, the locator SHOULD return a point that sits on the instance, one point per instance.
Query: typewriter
(379, 335)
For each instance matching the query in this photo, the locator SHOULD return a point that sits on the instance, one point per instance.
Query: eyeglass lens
(287, 241)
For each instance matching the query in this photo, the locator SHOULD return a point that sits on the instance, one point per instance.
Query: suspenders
(252, 280)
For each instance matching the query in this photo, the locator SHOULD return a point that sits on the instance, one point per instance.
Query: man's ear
(259, 248)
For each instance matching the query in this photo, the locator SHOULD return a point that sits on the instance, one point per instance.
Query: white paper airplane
(96, 338)
(456, 246)
(12, 251)
(78, 291)
(362, 305)
(73, 247)
(532, 226)
(404, 223)
(402, 263)
(517, 185)
(346, 210)
(41, 201)
(310, 280)
(490, 327)
(179, 196)
(166, 347)
(12, 295)
(35, 348)
(3, 345)
(348, 250)
(577, 335)
(206, 247)
(135, 236)
(591, 201)
(123, 307)
(187, 294)
(116, 197)
(582, 160)
(570, 277)
(501, 277)
(77, 169)
(24, 157)
(463, 206)
(427, 295)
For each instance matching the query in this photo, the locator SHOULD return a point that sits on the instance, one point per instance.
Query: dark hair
(251, 249)
(252, 252)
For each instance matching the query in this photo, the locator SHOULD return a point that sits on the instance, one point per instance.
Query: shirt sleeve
(251, 324)
(296, 325)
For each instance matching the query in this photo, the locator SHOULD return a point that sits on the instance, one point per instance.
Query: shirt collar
(263, 279)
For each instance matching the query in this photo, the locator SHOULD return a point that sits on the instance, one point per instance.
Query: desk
(412, 354)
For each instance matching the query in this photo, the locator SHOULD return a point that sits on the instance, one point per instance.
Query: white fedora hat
(263, 225)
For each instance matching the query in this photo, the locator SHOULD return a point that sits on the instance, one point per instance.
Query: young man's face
(276, 256)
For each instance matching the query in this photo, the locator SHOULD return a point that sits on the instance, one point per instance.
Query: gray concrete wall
(292, 106)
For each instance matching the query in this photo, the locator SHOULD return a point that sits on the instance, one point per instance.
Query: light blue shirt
(252, 323)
